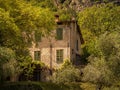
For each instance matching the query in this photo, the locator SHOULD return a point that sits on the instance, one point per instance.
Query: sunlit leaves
(66, 74)
(8, 28)
(7, 63)
(103, 67)
(100, 18)
(25, 18)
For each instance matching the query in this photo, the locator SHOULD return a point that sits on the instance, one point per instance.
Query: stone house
(63, 43)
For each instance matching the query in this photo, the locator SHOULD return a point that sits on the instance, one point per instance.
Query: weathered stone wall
(49, 45)
(49, 57)
(74, 36)
(52, 62)
(46, 41)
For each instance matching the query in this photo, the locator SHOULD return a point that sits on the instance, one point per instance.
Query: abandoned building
(63, 43)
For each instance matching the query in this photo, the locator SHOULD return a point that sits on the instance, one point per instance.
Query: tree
(19, 20)
(100, 18)
(103, 68)
(8, 30)
(97, 20)
(28, 18)
(100, 27)
(8, 63)
(66, 74)
(43, 3)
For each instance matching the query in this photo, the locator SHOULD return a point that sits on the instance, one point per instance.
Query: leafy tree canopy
(100, 27)
(104, 66)
(19, 20)
(97, 20)
(8, 63)
(66, 74)
(25, 18)
(100, 18)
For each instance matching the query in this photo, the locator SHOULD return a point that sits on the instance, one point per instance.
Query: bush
(21, 86)
(7, 63)
(66, 74)
(29, 68)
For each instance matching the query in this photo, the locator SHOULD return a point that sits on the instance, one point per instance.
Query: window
(38, 36)
(59, 56)
(37, 55)
(59, 33)
(77, 46)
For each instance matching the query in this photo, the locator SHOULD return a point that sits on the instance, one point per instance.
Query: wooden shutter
(59, 33)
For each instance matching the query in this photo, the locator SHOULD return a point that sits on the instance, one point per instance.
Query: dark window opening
(59, 33)
(77, 46)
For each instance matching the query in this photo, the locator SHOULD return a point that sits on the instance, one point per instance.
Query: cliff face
(78, 5)
(74, 4)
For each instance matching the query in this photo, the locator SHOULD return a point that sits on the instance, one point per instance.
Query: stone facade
(70, 44)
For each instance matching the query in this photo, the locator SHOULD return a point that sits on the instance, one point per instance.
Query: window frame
(59, 55)
(37, 55)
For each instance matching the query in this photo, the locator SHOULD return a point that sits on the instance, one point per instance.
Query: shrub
(29, 69)
(66, 74)
(21, 86)
(7, 63)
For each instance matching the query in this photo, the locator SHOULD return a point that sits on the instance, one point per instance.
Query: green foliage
(95, 21)
(25, 18)
(19, 20)
(87, 86)
(98, 72)
(43, 4)
(101, 0)
(103, 67)
(8, 30)
(66, 63)
(8, 63)
(100, 28)
(66, 74)
(100, 18)
(30, 68)
(37, 86)
(21, 86)
(27, 66)
(65, 15)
